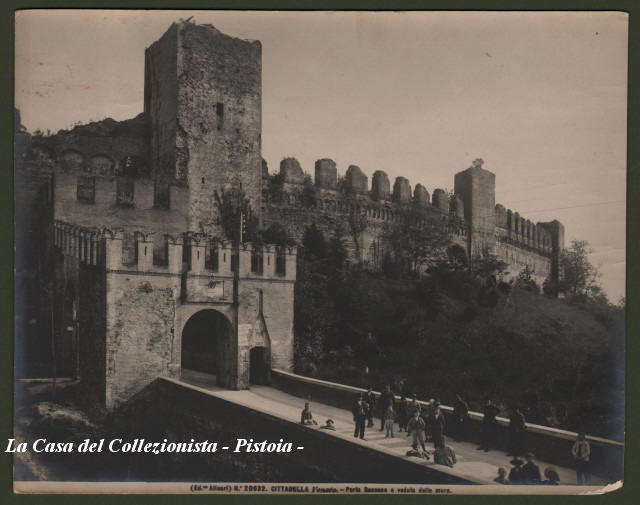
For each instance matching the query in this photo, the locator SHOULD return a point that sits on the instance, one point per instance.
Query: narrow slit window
(220, 114)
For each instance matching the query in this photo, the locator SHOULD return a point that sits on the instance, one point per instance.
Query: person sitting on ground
(306, 417)
(389, 418)
(531, 471)
(417, 452)
(502, 476)
(444, 455)
(515, 474)
(328, 425)
(552, 477)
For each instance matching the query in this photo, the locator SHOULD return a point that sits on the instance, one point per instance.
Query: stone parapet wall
(548, 444)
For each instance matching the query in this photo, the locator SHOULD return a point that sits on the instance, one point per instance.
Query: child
(502, 476)
(328, 425)
(306, 417)
(389, 418)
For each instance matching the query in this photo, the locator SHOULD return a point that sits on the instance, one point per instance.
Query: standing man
(416, 429)
(488, 425)
(359, 417)
(386, 401)
(460, 416)
(436, 424)
(581, 452)
(403, 413)
(370, 399)
(517, 428)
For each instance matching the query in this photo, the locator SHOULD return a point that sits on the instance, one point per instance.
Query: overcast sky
(541, 97)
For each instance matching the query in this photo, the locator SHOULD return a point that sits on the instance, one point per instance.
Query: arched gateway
(206, 340)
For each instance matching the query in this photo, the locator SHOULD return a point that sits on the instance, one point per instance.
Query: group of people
(527, 473)
(427, 424)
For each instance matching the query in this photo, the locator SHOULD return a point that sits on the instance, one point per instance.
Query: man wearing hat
(531, 471)
(515, 474)
(359, 416)
(328, 425)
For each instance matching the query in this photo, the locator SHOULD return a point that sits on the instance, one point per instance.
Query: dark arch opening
(205, 338)
(259, 365)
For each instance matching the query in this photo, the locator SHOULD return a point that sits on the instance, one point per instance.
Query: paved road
(482, 466)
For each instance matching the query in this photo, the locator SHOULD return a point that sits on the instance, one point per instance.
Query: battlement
(204, 254)
(384, 201)
(514, 229)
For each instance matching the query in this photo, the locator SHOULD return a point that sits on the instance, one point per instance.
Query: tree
(526, 281)
(233, 204)
(416, 241)
(578, 276)
(337, 250)
(357, 224)
(314, 243)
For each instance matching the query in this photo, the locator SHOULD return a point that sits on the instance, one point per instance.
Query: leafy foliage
(415, 243)
(455, 331)
(525, 280)
(578, 275)
(233, 205)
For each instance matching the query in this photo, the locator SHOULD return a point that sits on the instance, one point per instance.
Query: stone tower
(477, 187)
(202, 100)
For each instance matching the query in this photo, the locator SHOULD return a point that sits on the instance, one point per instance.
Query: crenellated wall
(521, 243)
(134, 309)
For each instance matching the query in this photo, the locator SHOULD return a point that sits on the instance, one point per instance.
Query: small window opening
(220, 114)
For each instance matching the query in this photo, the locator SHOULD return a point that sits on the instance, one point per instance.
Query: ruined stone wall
(98, 148)
(218, 119)
(336, 203)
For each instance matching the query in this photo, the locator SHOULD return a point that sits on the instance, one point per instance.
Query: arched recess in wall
(72, 160)
(101, 164)
(206, 344)
(42, 153)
